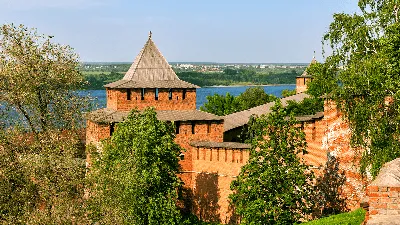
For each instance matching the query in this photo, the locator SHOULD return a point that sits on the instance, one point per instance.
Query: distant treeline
(96, 80)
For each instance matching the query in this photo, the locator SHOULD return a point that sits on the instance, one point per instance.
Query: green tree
(287, 93)
(274, 186)
(221, 105)
(308, 106)
(363, 74)
(38, 79)
(42, 161)
(135, 175)
(253, 97)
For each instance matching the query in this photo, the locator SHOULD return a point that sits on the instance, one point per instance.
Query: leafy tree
(274, 186)
(37, 79)
(366, 48)
(253, 97)
(41, 153)
(41, 179)
(287, 93)
(135, 175)
(308, 106)
(221, 105)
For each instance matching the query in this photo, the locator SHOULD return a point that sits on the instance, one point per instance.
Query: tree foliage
(308, 106)
(37, 79)
(223, 105)
(135, 175)
(287, 93)
(41, 180)
(362, 76)
(274, 186)
(42, 161)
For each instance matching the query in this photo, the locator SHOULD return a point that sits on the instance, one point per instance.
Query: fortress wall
(117, 99)
(337, 142)
(214, 169)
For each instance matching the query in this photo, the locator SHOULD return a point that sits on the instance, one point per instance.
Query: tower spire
(150, 35)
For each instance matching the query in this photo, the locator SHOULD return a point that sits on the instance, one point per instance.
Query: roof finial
(150, 35)
(314, 55)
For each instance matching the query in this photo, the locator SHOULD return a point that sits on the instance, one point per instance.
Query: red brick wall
(185, 136)
(117, 99)
(213, 171)
(314, 131)
(301, 84)
(96, 132)
(337, 142)
(383, 200)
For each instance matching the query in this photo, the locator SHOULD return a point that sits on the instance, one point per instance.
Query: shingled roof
(109, 115)
(305, 74)
(150, 70)
(241, 118)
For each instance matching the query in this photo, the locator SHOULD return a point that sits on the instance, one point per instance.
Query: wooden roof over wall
(112, 116)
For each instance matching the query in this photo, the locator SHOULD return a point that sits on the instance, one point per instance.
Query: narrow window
(314, 132)
(217, 154)
(170, 94)
(111, 128)
(128, 94)
(156, 94)
(198, 153)
(208, 127)
(211, 153)
(193, 127)
(177, 125)
(183, 94)
(142, 93)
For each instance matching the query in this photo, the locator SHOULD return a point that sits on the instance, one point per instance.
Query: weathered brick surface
(96, 132)
(314, 131)
(383, 201)
(336, 141)
(117, 99)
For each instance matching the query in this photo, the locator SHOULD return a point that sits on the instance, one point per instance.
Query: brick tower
(301, 81)
(151, 82)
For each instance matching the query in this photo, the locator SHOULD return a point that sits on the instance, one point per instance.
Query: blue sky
(252, 31)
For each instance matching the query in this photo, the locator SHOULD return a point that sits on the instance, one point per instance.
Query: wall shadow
(206, 196)
(328, 198)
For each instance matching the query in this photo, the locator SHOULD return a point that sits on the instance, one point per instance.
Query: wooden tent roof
(305, 74)
(150, 69)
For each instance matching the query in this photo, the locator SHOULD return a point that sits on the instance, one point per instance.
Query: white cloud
(45, 4)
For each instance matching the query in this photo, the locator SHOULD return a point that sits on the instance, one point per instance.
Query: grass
(351, 218)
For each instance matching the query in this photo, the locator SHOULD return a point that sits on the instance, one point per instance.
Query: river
(202, 93)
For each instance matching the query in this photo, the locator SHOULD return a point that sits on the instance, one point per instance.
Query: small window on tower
(170, 94)
(112, 128)
(177, 125)
(208, 127)
(128, 94)
(193, 127)
(142, 93)
(183, 94)
(156, 94)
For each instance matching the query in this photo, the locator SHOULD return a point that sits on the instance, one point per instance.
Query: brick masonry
(336, 142)
(301, 84)
(117, 99)
(208, 172)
